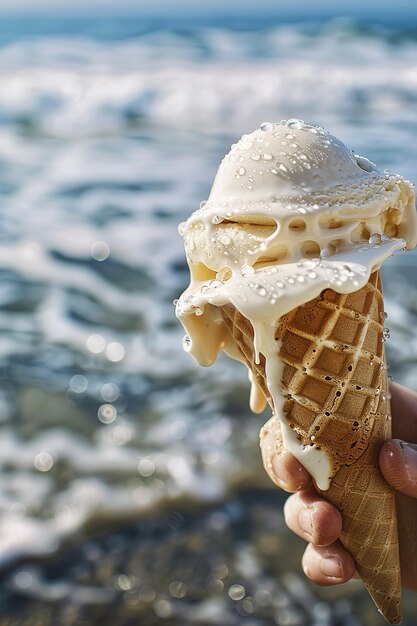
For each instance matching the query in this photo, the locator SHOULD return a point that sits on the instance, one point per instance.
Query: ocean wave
(211, 79)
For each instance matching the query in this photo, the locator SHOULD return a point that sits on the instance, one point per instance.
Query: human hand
(325, 560)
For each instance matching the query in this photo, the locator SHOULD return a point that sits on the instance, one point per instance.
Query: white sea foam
(220, 80)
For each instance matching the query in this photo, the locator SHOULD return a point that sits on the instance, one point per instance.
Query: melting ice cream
(292, 211)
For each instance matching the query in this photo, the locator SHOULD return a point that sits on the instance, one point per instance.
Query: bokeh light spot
(100, 250)
(110, 392)
(146, 467)
(115, 351)
(236, 592)
(43, 461)
(96, 343)
(78, 383)
(107, 413)
(23, 579)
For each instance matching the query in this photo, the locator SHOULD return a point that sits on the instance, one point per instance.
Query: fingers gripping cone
(334, 382)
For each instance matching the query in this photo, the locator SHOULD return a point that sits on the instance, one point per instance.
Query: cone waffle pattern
(334, 383)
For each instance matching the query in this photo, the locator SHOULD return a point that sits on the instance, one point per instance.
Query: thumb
(398, 463)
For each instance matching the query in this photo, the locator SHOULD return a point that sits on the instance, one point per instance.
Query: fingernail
(305, 519)
(331, 566)
(410, 455)
(279, 470)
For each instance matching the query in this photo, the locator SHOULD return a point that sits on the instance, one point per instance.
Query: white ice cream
(291, 212)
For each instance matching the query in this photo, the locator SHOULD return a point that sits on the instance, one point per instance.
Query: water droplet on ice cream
(294, 122)
(240, 171)
(265, 126)
(186, 343)
(308, 264)
(375, 239)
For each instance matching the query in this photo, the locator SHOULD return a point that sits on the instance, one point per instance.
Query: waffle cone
(334, 384)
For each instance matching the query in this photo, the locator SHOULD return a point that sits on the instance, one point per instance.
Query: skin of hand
(325, 560)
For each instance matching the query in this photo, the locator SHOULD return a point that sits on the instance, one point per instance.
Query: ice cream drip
(292, 212)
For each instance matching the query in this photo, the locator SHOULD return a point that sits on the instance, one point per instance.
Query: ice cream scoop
(284, 259)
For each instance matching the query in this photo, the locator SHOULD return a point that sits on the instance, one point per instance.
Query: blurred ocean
(131, 486)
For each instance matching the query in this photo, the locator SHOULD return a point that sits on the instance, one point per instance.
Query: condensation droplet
(186, 343)
(308, 264)
(265, 126)
(375, 239)
(294, 122)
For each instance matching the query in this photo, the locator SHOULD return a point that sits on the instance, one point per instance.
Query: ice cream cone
(334, 382)
(284, 260)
